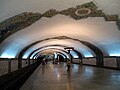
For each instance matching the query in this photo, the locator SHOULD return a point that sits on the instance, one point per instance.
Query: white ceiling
(105, 35)
(9, 8)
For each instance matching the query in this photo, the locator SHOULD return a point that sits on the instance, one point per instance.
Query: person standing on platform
(68, 65)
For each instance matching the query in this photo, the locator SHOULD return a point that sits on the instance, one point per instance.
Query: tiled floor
(56, 77)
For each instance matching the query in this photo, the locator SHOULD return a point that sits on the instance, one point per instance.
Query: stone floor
(56, 77)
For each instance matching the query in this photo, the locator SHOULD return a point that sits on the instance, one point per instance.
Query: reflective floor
(56, 77)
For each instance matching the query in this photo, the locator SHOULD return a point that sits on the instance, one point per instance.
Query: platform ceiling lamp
(69, 49)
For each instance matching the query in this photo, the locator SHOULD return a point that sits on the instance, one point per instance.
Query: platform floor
(56, 77)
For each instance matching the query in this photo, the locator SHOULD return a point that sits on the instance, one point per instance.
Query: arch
(56, 51)
(43, 50)
(97, 51)
(54, 45)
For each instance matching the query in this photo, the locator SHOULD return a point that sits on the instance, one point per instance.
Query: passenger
(43, 62)
(46, 60)
(68, 65)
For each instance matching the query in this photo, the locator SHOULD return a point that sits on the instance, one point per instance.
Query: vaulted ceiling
(92, 27)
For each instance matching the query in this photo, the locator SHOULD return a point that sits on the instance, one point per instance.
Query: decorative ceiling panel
(25, 19)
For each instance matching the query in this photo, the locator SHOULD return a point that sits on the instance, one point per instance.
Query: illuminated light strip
(5, 55)
(88, 55)
(115, 54)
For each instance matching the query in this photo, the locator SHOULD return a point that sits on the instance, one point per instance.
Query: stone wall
(76, 60)
(14, 65)
(110, 62)
(9, 65)
(90, 61)
(3, 67)
(24, 63)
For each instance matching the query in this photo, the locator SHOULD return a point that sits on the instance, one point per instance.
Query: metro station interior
(38, 37)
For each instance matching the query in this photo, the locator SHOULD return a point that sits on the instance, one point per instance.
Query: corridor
(55, 77)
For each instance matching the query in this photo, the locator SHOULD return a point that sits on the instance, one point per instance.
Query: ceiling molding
(26, 19)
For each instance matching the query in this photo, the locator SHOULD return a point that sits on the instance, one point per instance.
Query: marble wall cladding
(89, 61)
(118, 62)
(110, 62)
(3, 67)
(24, 63)
(31, 61)
(14, 65)
(76, 60)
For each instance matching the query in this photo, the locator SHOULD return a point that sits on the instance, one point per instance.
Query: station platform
(56, 77)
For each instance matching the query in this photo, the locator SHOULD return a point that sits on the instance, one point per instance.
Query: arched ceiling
(61, 44)
(52, 48)
(100, 30)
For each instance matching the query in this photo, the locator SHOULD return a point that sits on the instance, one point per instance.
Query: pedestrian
(68, 65)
